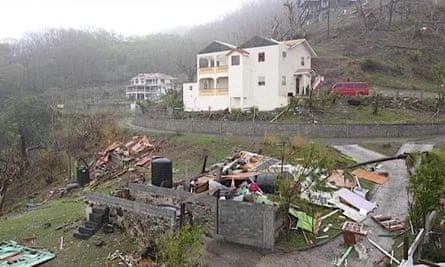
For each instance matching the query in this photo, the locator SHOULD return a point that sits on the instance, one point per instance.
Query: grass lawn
(58, 212)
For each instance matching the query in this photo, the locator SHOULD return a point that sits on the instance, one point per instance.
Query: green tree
(314, 159)
(181, 248)
(33, 118)
(426, 184)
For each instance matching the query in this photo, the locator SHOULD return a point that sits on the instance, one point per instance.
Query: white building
(261, 73)
(149, 86)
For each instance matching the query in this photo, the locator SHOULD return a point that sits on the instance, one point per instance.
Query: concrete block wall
(144, 221)
(239, 222)
(247, 223)
(202, 207)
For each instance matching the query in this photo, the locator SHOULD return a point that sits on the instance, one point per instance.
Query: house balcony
(214, 92)
(214, 70)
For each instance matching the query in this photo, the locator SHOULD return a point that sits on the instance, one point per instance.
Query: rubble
(13, 254)
(370, 176)
(390, 223)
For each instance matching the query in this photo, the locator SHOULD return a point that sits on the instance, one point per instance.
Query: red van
(351, 88)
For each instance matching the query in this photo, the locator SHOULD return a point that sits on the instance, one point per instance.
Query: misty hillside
(390, 43)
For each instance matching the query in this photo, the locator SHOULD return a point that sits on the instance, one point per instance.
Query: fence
(253, 128)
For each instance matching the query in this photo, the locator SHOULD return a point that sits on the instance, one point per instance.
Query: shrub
(182, 248)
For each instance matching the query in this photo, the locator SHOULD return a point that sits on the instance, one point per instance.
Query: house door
(297, 86)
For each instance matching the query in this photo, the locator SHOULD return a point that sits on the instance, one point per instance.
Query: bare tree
(9, 172)
(297, 14)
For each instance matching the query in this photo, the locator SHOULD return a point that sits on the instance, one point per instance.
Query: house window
(302, 61)
(261, 80)
(142, 81)
(283, 80)
(235, 60)
(284, 54)
(190, 88)
(261, 57)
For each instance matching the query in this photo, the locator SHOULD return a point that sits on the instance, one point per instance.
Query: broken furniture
(97, 218)
(390, 223)
(351, 232)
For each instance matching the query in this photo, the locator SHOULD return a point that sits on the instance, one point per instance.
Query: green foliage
(181, 248)
(426, 184)
(145, 105)
(33, 118)
(439, 73)
(313, 157)
(373, 65)
(316, 155)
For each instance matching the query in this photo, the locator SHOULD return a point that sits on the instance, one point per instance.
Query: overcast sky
(129, 17)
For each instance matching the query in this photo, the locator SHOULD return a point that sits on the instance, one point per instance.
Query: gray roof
(216, 46)
(258, 41)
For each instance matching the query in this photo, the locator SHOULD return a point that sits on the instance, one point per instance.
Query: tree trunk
(3, 188)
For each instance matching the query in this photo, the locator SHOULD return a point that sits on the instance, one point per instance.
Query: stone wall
(143, 221)
(202, 207)
(250, 128)
(240, 222)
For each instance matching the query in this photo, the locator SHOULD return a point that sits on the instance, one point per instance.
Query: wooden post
(187, 176)
(218, 195)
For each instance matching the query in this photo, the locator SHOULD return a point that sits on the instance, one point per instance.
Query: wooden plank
(370, 176)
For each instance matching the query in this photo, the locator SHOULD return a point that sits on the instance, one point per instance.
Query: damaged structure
(226, 197)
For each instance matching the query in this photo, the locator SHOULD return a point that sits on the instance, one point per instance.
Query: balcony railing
(213, 70)
(214, 92)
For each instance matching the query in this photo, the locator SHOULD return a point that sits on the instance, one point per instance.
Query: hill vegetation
(389, 43)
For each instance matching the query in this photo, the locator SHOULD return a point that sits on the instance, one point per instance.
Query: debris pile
(129, 259)
(119, 158)
(13, 254)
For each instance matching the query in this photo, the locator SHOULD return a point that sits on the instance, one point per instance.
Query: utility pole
(329, 7)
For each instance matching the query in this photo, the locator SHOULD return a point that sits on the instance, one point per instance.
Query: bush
(182, 248)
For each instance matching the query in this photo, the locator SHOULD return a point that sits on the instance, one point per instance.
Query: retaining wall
(144, 221)
(250, 128)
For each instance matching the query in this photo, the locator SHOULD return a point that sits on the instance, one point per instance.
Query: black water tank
(162, 172)
(266, 182)
(83, 175)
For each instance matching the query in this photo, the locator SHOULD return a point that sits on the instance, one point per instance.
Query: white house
(261, 72)
(149, 86)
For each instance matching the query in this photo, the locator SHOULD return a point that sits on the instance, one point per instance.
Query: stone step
(86, 230)
(97, 218)
(104, 210)
(93, 225)
(79, 235)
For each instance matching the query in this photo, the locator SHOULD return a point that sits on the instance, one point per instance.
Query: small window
(190, 88)
(283, 80)
(284, 54)
(261, 57)
(302, 61)
(235, 60)
(261, 80)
